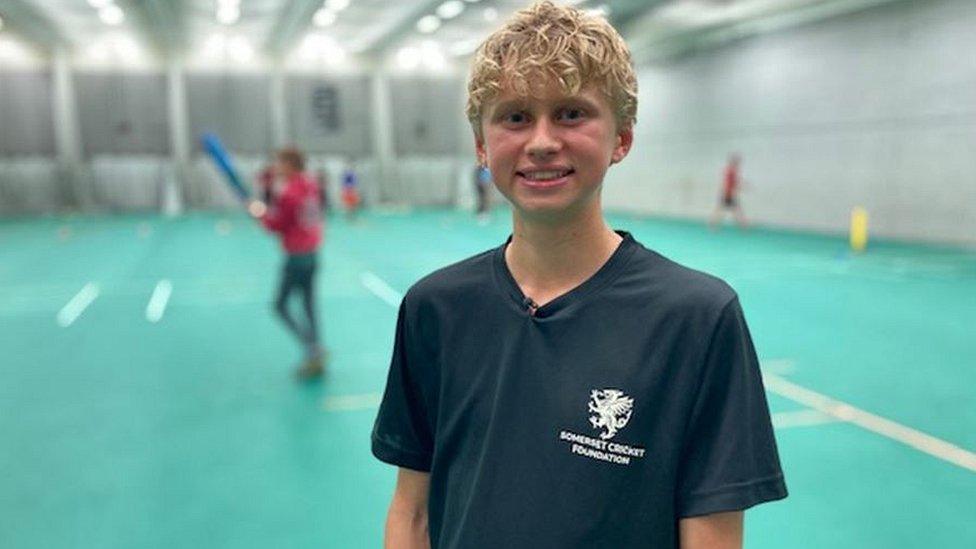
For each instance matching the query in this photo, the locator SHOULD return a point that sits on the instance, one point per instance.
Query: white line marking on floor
(158, 301)
(70, 312)
(845, 412)
(382, 290)
(780, 366)
(801, 418)
(347, 403)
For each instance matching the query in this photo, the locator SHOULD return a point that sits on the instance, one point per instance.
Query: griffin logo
(612, 408)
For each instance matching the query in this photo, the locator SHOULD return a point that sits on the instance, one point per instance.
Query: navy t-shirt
(600, 420)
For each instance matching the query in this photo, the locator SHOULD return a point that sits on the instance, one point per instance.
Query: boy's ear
(625, 138)
(480, 149)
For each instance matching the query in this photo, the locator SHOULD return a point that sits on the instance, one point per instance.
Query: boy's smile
(548, 153)
(544, 177)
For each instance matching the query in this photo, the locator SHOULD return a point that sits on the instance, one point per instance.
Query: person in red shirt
(731, 183)
(295, 216)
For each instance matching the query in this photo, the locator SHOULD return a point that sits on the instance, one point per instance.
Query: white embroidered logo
(612, 408)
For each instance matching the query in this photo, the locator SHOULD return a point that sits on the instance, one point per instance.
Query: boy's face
(283, 168)
(548, 154)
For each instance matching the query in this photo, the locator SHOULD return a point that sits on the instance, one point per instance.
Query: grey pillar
(177, 182)
(382, 137)
(66, 132)
(279, 116)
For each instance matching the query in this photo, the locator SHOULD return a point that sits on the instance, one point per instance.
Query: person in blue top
(482, 189)
(351, 198)
(571, 388)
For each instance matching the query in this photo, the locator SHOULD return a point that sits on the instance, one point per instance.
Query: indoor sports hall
(147, 395)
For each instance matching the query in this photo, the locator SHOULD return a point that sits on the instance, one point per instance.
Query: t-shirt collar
(604, 275)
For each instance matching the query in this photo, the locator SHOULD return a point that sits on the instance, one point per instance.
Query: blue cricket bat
(213, 146)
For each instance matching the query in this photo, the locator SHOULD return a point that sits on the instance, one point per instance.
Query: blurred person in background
(729, 200)
(350, 191)
(482, 187)
(322, 178)
(294, 214)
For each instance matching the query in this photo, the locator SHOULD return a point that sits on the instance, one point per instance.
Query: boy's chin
(549, 210)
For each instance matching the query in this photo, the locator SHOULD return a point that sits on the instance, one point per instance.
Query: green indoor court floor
(125, 425)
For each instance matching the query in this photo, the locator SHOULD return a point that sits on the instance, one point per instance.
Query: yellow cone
(859, 229)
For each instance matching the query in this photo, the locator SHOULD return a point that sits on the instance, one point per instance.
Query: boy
(571, 388)
(294, 213)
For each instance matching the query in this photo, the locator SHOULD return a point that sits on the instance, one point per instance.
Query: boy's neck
(550, 259)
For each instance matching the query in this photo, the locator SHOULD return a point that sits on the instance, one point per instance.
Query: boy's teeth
(538, 176)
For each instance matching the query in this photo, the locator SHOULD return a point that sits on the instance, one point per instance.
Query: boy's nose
(543, 142)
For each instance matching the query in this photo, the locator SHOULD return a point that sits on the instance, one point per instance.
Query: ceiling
(333, 32)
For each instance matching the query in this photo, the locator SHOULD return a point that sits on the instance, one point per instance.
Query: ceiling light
(408, 58)
(214, 46)
(311, 43)
(228, 5)
(318, 42)
(14, 51)
(428, 24)
(111, 15)
(602, 10)
(238, 43)
(98, 52)
(435, 60)
(472, 1)
(449, 9)
(324, 17)
(99, 4)
(431, 55)
(126, 48)
(228, 15)
(489, 14)
(464, 47)
(8, 48)
(215, 42)
(335, 56)
(240, 49)
(319, 47)
(337, 5)
(113, 47)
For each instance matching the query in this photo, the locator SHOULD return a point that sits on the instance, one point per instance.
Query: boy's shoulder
(458, 281)
(666, 282)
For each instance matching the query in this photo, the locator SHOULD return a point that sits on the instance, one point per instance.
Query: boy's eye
(571, 115)
(515, 118)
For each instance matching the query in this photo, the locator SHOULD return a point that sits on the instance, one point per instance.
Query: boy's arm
(279, 218)
(406, 523)
(717, 531)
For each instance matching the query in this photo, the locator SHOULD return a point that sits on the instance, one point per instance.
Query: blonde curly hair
(546, 42)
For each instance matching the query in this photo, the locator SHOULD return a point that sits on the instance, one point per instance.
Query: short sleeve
(402, 434)
(730, 461)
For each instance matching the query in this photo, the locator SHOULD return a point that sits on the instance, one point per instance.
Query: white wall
(876, 108)
(28, 185)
